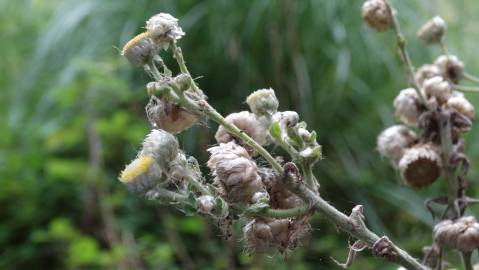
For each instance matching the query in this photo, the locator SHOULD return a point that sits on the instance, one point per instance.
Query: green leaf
(275, 131)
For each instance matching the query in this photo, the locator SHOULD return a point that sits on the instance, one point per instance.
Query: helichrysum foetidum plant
(274, 202)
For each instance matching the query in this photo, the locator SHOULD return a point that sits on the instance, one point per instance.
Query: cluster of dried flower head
(239, 179)
(461, 234)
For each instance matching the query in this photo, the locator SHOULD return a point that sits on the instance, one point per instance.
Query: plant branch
(470, 77)
(465, 88)
(466, 260)
(446, 145)
(276, 213)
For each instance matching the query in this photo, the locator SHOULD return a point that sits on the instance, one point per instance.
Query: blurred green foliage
(71, 116)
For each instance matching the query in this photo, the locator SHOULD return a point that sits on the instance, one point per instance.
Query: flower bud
(235, 172)
(205, 204)
(426, 72)
(260, 197)
(393, 141)
(376, 14)
(461, 234)
(432, 31)
(164, 28)
(166, 114)
(248, 123)
(437, 87)
(263, 102)
(140, 50)
(451, 68)
(460, 104)
(286, 119)
(142, 174)
(421, 165)
(407, 105)
(161, 146)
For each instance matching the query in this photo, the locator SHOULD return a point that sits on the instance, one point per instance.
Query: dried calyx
(421, 165)
(461, 234)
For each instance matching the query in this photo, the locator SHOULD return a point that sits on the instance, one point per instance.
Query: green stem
(307, 174)
(401, 42)
(470, 77)
(178, 55)
(465, 88)
(161, 193)
(466, 260)
(198, 185)
(276, 213)
(450, 171)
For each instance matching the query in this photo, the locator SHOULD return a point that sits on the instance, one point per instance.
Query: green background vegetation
(71, 116)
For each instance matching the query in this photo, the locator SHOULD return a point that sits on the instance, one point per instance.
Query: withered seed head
(461, 234)
(451, 67)
(421, 165)
(432, 31)
(407, 106)
(393, 141)
(375, 13)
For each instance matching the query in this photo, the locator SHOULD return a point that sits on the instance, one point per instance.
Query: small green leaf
(275, 131)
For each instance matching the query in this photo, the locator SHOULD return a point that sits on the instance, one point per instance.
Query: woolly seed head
(166, 114)
(141, 174)
(461, 234)
(164, 27)
(451, 67)
(432, 31)
(376, 14)
(421, 165)
(160, 145)
(426, 72)
(205, 204)
(460, 104)
(407, 107)
(263, 102)
(393, 141)
(248, 123)
(140, 50)
(437, 87)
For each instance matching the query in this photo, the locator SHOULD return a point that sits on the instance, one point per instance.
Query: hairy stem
(277, 213)
(465, 88)
(466, 260)
(198, 185)
(449, 171)
(401, 42)
(470, 77)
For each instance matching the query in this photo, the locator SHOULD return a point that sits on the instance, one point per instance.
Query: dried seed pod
(166, 114)
(432, 31)
(164, 28)
(461, 234)
(407, 106)
(205, 204)
(280, 196)
(263, 102)
(460, 104)
(236, 174)
(376, 14)
(246, 122)
(421, 165)
(142, 174)
(437, 87)
(426, 72)
(451, 68)
(161, 146)
(393, 141)
(140, 50)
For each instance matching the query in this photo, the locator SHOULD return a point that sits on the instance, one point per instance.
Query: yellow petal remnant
(136, 168)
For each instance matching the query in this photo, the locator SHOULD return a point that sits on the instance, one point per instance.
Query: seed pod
(426, 72)
(437, 87)
(461, 234)
(460, 104)
(248, 123)
(421, 165)
(393, 141)
(142, 174)
(166, 114)
(376, 14)
(164, 28)
(432, 31)
(205, 204)
(407, 105)
(161, 146)
(263, 102)
(140, 50)
(451, 68)
(236, 174)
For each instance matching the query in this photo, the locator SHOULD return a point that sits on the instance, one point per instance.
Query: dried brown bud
(376, 14)
(426, 72)
(248, 123)
(432, 31)
(460, 104)
(451, 68)
(407, 105)
(437, 87)
(461, 234)
(393, 141)
(421, 165)
(166, 114)
(235, 172)
(140, 50)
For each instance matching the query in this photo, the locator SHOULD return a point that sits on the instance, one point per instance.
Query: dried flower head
(140, 50)
(460, 104)
(421, 165)
(161, 146)
(393, 141)
(142, 174)
(280, 196)
(407, 106)
(246, 122)
(205, 204)
(286, 119)
(432, 31)
(426, 72)
(164, 28)
(437, 87)
(461, 234)
(451, 68)
(263, 102)
(376, 14)
(236, 174)
(166, 114)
